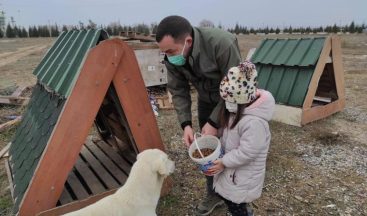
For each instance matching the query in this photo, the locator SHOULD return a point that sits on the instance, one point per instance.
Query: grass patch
(168, 201)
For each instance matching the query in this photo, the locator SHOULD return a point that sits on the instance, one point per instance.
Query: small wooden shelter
(84, 79)
(304, 75)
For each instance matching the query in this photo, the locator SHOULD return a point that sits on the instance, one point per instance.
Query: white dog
(140, 194)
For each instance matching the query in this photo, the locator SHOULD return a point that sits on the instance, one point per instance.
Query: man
(201, 56)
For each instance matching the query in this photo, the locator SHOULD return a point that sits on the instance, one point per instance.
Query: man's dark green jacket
(213, 52)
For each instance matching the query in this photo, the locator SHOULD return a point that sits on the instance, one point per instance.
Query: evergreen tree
(64, 28)
(290, 30)
(55, 31)
(277, 30)
(153, 28)
(335, 29)
(36, 33)
(9, 32)
(16, 31)
(109, 30)
(30, 31)
(237, 29)
(352, 27)
(23, 33)
(220, 26)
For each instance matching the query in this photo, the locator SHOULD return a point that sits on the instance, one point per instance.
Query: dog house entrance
(106, 158)
(326, 90)
(99, 168)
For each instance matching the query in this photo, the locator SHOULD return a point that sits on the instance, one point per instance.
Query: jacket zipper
(233, 178)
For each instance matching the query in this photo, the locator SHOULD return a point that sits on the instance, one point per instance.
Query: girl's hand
(216, 168)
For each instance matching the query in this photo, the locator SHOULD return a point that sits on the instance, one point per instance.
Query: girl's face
(231, 107)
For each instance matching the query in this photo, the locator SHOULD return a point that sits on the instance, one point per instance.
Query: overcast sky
(255, 13)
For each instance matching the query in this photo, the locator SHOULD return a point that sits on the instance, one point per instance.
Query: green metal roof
(31, 138)
(289, 52)
(285, 67)
(61, 65)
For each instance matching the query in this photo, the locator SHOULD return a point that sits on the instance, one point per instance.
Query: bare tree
(206, 23)
(91, 24)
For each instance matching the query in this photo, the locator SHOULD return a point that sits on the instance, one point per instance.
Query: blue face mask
(178, 60)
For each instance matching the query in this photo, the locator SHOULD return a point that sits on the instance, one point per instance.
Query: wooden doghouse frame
(327, 75)
(110, 66)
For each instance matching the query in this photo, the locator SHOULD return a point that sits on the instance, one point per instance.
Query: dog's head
(158, 160)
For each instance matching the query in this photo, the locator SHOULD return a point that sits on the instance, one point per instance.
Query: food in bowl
(205, 151)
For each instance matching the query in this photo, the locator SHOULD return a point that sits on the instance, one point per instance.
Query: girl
(239, 175)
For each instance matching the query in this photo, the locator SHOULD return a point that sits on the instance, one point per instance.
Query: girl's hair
(225, 115)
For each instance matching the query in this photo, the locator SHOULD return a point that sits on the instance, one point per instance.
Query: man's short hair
(175, 26)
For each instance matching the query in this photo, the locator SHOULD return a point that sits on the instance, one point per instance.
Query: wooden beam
(133, 97)
(68, 137)
(325, 53)
(288, 115)
(13, 97)
(319, 112)
(338, 69)
(4, 150)
(167, 185)
(10, 123)
(10, 177)
(75, 205)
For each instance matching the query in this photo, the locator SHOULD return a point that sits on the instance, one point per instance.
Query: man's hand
(209, 130)
(216, 168)
(188, 135)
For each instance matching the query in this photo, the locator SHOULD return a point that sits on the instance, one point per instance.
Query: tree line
(114, 29)
(351, 28)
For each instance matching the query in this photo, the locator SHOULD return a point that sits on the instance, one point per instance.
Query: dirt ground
(319, 169)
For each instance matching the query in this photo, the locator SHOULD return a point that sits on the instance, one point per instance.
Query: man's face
(171, 48)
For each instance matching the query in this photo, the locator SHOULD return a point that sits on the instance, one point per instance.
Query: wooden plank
(5, 101)
(108, 150)
(166, 187)
(320, 112)
(129, 155)
(78, 189)
(338, 68)
(83, 103)
(18, 91)
(325, 53)
(112, 168)
(11, 97)
(12, 100)
(8, 124)
(133, 97)
(99, 170)
(65, 197)
(10, 178)
(288, 115)
(5, 150)
(89, 177)
(75, 205)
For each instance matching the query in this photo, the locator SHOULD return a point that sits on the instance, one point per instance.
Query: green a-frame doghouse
(304, 75)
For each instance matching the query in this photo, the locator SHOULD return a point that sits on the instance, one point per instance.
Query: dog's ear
(164, 166)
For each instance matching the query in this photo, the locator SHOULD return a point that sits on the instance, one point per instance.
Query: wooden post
(317, 74)
(133, 97)
(68, 137)
(338, 68)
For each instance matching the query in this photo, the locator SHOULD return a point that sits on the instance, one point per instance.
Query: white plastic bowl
(206, 141)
